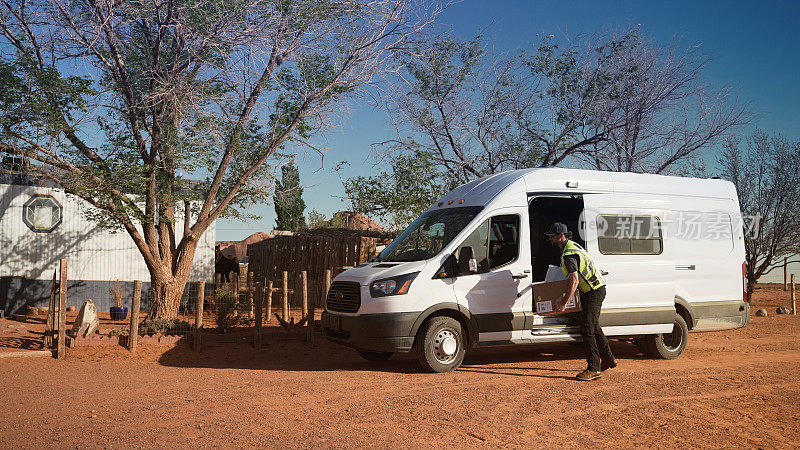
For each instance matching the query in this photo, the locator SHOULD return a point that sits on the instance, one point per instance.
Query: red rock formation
(356, 221)
(238, 249)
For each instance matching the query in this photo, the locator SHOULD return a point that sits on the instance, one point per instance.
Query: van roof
(502, 187)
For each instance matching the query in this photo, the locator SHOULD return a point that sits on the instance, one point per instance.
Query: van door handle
(519, 276)
(690, 267)
(603, 272)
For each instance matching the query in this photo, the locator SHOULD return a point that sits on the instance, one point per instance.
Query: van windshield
(429, 234)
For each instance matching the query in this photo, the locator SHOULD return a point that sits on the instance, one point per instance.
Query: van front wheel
(669, 345)
(440, 345)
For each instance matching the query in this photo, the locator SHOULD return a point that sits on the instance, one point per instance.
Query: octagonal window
(42, 213)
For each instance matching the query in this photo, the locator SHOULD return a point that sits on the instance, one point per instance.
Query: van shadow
(486, 361)
(294, 355)
(281, 355)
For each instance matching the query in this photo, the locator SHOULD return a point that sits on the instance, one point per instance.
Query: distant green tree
(289, 204)
(316, 219)
(337, 221)
(399, 196)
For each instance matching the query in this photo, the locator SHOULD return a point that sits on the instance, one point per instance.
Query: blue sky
(756, 46)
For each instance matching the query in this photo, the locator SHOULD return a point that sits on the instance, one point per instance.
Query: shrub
(164, 326)
(116, 292)
(153, 326)
(227, 305)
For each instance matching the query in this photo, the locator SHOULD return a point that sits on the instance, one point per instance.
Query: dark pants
(597, 348)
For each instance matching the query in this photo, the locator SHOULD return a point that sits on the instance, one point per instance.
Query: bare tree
(766, 171)
(657, 112)
(115, 99)
(453, 110)
(610, 101)
(559, 98)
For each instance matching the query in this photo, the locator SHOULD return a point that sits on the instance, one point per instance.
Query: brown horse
(224, 266)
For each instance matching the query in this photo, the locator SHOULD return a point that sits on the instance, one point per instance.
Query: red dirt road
(735, 388)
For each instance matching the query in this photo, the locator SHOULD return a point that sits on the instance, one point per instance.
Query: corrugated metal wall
(94, 253)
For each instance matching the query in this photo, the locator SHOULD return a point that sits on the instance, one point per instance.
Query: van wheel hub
(445, 346)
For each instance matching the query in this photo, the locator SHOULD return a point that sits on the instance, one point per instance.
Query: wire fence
(243, 309)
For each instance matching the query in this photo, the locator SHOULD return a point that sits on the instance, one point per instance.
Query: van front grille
(344, 296)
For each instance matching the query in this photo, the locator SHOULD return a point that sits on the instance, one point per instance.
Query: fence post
(269, 301)
(304, 292)
(133, 335)
(217, 284)
(198, 314)
(327, 286)
(236, 290)
(250, 292)
(794, 305)
(784, 274)
(51, 315)
(310, 316)
(62, 311)
(285, 295)
(258, 306)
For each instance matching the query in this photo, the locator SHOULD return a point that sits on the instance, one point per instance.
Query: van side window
(629, 235)
(477, 240)
(503, 240)
(494, 243)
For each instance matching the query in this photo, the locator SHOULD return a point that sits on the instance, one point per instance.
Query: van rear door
(625, 235)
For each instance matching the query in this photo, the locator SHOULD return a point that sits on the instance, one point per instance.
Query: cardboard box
(545, 294)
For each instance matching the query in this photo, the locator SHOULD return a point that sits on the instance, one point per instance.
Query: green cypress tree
(289, 204)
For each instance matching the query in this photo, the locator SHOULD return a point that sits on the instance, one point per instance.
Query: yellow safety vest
(590, 277)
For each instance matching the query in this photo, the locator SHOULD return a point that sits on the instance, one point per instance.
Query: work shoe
(608, 364)
(588, 375)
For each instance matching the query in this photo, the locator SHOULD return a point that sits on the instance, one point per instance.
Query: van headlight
(392, 286)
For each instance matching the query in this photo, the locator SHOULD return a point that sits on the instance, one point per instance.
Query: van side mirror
(466, 262)
(449, 268)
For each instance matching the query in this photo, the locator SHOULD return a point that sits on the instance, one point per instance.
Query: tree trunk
(167, 286)
(751, 285)
(165, 298)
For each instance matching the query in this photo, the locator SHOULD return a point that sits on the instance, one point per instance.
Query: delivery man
(583, 274)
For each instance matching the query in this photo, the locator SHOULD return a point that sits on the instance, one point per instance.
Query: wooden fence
(312, 253)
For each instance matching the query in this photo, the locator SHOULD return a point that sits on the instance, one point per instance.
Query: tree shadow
(21, 342)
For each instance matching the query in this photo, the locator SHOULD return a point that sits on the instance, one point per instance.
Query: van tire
(441, 345)
(669, 345)
(375, 356)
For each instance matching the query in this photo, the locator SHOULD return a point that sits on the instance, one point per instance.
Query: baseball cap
(557, 228)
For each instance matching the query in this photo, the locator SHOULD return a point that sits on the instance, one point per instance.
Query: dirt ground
(738, 388)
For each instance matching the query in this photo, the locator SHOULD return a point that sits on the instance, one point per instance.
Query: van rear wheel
(669, 345)
(440, 345)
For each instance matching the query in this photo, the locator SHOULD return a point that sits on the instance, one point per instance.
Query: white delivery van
(461, 275)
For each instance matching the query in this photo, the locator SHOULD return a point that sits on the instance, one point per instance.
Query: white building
(41, 225)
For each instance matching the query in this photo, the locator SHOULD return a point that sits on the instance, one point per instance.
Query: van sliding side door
(626, 235)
